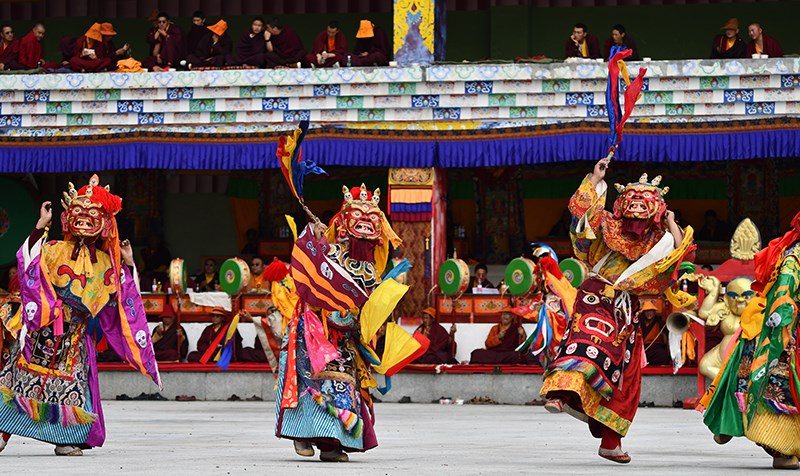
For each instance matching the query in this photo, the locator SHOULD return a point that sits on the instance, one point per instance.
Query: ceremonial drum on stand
(234, 276)
(520, 276)
(453, 277)
(574, 270)
(177, 276)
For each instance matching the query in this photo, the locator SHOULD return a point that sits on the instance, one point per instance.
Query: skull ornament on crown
(641, 200)
(360, 216)
(89, 212)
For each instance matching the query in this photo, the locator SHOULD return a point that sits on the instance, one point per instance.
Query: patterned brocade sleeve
(587, 206)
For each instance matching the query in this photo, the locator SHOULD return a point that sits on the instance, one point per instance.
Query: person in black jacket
(729, 44)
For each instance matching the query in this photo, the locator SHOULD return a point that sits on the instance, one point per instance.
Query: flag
(293, 165)
(616, 115)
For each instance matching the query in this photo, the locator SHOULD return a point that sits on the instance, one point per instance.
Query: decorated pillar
(419, 31)
(411, 210)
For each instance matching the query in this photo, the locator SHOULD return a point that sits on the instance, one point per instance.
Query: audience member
(502, 342)
(620, 38)
(250, 52)
(257, 282)
(211, 336)
(166, 337)
(479, 279)
(371, 48)
(114, 54)
(654, 335)
(581, 44)
(255, 353)
(442, 349)
(9, 49)
(729, 44)
(713, 229)
(167, 43)
(89, 52)
(251, 247)
(197, 31)
(330, 48)
(284, 47)
(155, 260)
(208, 280)
(13, 280)
(30, 49)
(762, 43)
(213, 49)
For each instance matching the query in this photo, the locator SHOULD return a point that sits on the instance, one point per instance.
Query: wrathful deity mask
(738, 294)
(642, 200)
(360, 217)
(89, 212)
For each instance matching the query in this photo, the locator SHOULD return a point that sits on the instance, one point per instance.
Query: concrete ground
(199, 438)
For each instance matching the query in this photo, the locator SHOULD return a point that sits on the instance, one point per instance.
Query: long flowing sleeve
(40, 305)
(587, 206)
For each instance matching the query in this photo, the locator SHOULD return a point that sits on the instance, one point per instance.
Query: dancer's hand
(126, 252)
(45, 215)
(599, 172)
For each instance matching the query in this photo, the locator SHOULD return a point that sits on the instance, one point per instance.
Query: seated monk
(284, 47)
(479, 279)
(503, 339)
(442, 349)
(655, 336)
(89, 53)
(372, 48)
(257, 282)
(219, 317)
(208, 280)
(213, 49)
(166, 336)
(250, 52)
(9, 49)
(167, 43)
(330, 47)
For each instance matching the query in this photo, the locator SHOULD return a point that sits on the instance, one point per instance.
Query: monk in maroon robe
(372, 47)
(166, 337)
(442, 349)
(168, 45)
(89, 54)
(197, 31)
(213, 49)
(503, 339)
(284, 47)
(251, 47)
(330, 47)
(218, 320)
(255, 353)
(30, 50)
(762, 43)
(9, 49)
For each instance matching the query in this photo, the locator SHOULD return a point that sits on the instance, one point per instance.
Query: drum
(453, 277)
(574, 270)
(520, 276)
(177, 276)
(234, 276)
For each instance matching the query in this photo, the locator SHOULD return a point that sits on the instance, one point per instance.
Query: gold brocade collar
(632, 249)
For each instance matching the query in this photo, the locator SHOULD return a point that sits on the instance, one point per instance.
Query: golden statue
(746, 241)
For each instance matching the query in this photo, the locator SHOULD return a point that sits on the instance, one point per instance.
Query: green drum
(453, 277)
(574, 270)
(520, 276)
(234, 276)
(18, 215)
(177, 276)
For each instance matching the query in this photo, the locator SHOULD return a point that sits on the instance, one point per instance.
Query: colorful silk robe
(598, 368)
(757, 392)
(49, 384)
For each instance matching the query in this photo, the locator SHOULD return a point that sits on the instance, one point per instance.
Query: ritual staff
(284, 47)
(330, 47)
(166, 338)
(212, 49)
(729, 44)
(371, 48)
(167, 43)
(89, 52)
(442, 349)
(596, 376)
(86, 281)
(30, 49)
(762, 43)
(755, 395)
(211, 337)
(581, 44)
(197, 31)
(250, 52)
(9, 49)
(502, 342)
